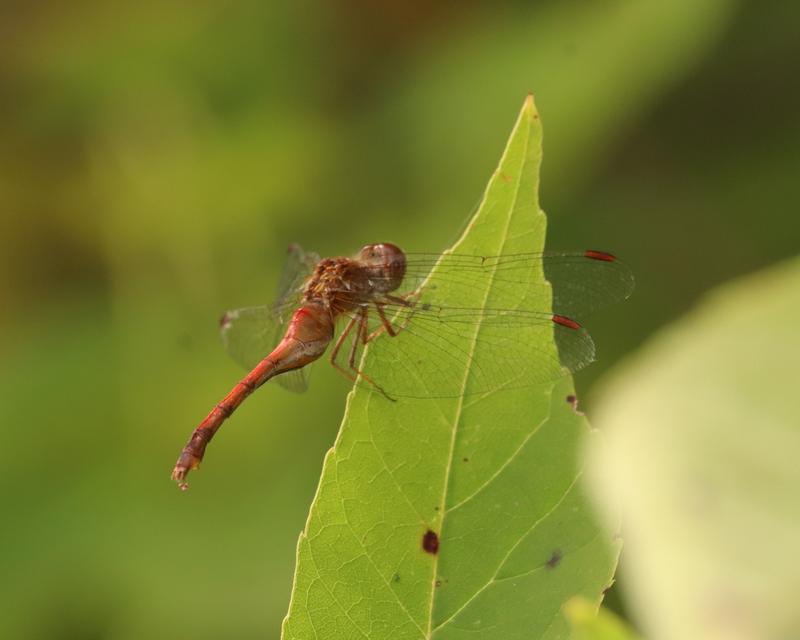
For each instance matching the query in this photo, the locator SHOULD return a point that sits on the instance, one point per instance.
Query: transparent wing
(298, 266)
(438, 339)
(581, 281)
(296, 380)
(501, 349)
(251, 333)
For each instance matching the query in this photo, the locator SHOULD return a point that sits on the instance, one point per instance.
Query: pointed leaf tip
(529, 107)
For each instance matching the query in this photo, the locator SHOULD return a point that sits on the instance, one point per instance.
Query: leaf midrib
(460, 405)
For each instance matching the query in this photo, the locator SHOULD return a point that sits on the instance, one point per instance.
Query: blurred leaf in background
(701, 437)
(157, 158)
(587, 623)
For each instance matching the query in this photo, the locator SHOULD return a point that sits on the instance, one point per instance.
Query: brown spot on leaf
(430, 542)
(555, 559)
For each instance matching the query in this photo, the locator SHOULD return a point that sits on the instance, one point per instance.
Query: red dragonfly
(411, 302)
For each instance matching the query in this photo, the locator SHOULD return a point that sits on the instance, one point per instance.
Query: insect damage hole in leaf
(472, 542)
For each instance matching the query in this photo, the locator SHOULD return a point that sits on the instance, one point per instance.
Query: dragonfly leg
(385, 321)
(361, 337)
(401, 300)
(338, 346)
(386, 324)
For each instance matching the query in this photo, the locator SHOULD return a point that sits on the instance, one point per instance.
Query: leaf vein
(503, 466)
(372, 562)
(510, 551)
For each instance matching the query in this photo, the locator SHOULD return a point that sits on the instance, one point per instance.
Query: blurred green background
(157, 158)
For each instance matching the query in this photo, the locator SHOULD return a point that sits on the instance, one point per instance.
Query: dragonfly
(412, 303)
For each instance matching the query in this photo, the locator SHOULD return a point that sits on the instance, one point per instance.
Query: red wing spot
(224, 321)
(564, 321)
(599, 255)
(430, 542)
(555, 559)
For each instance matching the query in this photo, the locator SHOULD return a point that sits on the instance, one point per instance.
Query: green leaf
(493, 477)
(702, 439)
(588, 623)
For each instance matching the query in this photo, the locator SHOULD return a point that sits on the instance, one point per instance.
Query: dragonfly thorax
(343, 284)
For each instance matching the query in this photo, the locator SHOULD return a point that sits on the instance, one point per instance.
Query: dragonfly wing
(295, 381)
(447, 352)
(298, 266)
(582, 284)
(579, 282)
(250, 334)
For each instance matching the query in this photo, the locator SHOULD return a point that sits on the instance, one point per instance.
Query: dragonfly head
(386, 265)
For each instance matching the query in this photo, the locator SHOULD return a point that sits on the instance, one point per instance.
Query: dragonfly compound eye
(388, 262)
